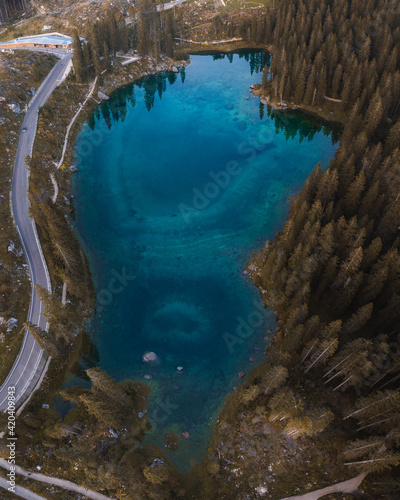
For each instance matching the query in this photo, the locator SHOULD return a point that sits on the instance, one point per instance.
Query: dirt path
(62, 483)
(344, 487)
(71, 124)
(55, 187)
(210, 43)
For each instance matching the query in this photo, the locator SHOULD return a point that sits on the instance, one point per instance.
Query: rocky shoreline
(327, 113)
(256, 90)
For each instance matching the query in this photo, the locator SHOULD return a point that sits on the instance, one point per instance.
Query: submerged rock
(150, 356)
(241, 374)
(172, 441)
(185, 435)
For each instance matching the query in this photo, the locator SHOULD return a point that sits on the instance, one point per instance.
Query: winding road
(31, 362)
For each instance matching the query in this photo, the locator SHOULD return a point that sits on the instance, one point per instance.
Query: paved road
(31, 359)
(62, 483)
(57, 52)
(28, 367)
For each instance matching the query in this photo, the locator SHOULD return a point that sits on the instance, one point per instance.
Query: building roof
(44, 38)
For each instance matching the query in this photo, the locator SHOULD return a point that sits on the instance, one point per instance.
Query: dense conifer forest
(9, 8)
(332, 274)
(152, 35)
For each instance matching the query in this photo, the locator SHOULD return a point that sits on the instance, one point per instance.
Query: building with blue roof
(45, 40)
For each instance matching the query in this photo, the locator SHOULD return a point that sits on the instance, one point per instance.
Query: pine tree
(106, 58)
(373, 114)
(377, 463)
(250, 394)
(354, 193)
(393, 139)
(107, 401)
(105, 384)
(274, 378)
(322, 352)
(283, 405)
(358, 320)
(96, 62)
(78, 59)
(345, 95)
(363, 447)
(298, 426)
(336, 81)
(374, 283)
(328, 186)
(113, 31)
(371, 253)
(46, 340)
(309, 95)
(374, 404)
(301, 84)
(322, 84)
(87, 56)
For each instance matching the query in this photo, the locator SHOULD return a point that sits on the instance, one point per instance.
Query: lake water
(181, 177)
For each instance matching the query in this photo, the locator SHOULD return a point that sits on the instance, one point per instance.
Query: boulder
(102, 96)
(149, 357)
(15, 108)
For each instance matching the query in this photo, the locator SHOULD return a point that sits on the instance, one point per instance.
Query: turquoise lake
(181, 178)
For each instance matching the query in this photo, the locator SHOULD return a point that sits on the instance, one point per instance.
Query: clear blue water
(179, 182)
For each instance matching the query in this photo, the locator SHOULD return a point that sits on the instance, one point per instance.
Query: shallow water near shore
(181, 178)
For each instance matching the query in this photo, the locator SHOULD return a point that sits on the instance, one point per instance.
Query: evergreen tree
(106, 58)
(78, 60)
